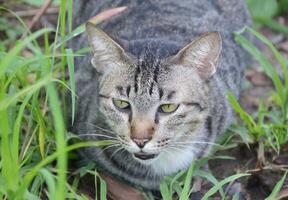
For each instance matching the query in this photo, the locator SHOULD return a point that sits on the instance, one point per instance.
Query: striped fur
(152, 32)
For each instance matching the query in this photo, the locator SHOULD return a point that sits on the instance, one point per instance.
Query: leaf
(280, 97)
(262, 9)
(17, 126)
(28, 177)
(5, 63)
(187, 185)
(250, 123)
(277, 188)
(175, 178)
(5, 102)
(40, 2)
(70, 61)
(210, 178)
(263, 60)
(280, 58)
(50, 181)
(218, 186)
(41, 140)
(165, 193)
(107, 14)
(274, 25)
(283, 5)
(95, 20)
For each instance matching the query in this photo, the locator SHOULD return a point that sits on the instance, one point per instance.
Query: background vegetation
(34, 143)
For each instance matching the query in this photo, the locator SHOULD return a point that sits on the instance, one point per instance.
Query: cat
(159, 93)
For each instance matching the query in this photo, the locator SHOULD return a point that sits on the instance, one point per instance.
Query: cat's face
(156, 107)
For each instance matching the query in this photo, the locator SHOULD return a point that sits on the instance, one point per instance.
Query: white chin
(172, 162)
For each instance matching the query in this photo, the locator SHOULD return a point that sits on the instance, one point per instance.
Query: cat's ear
(106, 51)
(202, 54)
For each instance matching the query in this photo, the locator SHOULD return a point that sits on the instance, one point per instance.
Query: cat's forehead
(152, 77)
(155, 81)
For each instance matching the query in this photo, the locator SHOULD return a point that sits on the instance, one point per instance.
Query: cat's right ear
(106, 52)
(202, 54)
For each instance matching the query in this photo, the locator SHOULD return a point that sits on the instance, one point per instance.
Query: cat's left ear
(202, 54)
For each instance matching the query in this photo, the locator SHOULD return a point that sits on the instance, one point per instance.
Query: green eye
(168, 108)
(121, 103)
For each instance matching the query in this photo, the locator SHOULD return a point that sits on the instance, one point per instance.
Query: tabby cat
(159, 94)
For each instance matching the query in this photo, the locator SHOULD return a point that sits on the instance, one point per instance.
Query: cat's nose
(141, 131)
(141, 142)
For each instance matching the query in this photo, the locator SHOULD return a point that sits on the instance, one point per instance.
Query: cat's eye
(121, 103)
(168, 108)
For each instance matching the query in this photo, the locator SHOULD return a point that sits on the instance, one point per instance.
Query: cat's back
(166, 18)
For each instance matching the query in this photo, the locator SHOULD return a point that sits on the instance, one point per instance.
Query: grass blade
(33, 172)
(218, 186)
(277, 188)
(4, 64)
(165, 193)
(187, 185)
(70, 61)
(7, 101)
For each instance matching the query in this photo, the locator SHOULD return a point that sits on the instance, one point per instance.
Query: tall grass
(32, 125)
(270, 125)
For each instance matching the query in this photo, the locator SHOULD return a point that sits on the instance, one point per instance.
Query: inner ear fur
(105, 49)
(202, 54)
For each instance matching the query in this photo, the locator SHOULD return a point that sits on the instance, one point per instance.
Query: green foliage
(263, 11)
(277, 188)
(180, 183)
(39, 2)
(283, 6)
(32, 126)
(270, 125)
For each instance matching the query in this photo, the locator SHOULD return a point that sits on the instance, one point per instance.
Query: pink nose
(141, 142)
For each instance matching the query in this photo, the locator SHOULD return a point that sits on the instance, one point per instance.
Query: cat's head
(155, 106)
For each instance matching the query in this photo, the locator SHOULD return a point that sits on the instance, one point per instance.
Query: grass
(270, 125)
(33, 137)
(33, 132)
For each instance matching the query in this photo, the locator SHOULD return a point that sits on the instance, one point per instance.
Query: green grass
(270, 124)
(33, 132)
(33, 136)
(263, 11)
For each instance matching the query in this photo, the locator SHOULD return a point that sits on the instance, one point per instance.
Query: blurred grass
(270, 125)
(34, 140)
(32, 125)
(263, 12)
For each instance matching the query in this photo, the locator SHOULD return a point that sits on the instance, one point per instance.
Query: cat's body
(153, 31)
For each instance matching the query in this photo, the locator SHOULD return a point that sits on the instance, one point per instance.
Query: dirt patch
(263, 178)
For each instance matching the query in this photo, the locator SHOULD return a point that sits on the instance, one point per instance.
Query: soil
(263, 178)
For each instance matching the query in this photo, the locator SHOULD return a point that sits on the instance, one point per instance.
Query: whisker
(170, 150)
(123, 141)
(115, 152)
(174, 147)
(197, 142)
(103, 129)
(113, 145)
(96, 134)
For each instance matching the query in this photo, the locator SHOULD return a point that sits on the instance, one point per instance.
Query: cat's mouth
(144, 156)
